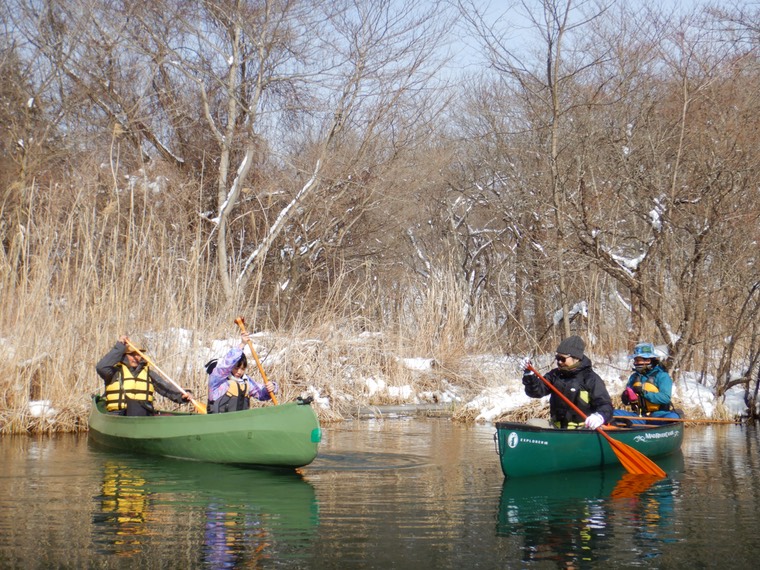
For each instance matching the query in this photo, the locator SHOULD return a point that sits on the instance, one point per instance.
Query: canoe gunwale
(517, 426)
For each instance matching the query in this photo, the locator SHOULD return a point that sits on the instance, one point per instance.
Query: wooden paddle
(241, 323)
(657, 419)
(634, 461)
(200, 408)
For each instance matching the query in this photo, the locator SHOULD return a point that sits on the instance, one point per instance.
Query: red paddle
(634, 461)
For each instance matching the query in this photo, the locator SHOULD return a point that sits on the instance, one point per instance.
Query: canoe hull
(285, 436)
(527, 450)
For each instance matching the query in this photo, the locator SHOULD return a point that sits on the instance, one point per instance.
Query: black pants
(139, 408)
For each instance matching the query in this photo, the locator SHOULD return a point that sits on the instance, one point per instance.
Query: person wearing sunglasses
(649, 389)
(576, 379)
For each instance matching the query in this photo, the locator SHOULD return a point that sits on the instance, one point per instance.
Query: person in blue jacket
(649, 389)
(229, 387)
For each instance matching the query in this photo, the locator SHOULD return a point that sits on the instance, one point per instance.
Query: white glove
(594, 421)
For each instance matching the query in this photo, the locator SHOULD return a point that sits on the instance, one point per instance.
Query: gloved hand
(629, 396)
(530, 381)
(524, 363)
(594, 421)
(637, 388)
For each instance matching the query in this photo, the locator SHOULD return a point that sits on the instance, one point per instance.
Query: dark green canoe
(527, 450)
(286, 435)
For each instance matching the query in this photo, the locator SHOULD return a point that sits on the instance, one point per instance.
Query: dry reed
(75, 277)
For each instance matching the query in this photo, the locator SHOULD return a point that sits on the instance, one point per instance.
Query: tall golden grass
(83, 266)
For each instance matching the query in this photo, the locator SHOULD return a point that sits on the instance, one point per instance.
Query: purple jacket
(218, 380)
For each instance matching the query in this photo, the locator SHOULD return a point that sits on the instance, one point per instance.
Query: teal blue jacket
(658, 377)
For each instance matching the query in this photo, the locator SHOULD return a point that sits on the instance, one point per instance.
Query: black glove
(637, 388)
(529, 379)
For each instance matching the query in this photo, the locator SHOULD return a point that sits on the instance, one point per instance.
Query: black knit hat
(572, 346)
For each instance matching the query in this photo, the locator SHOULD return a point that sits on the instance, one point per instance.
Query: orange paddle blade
(631, 486)
(199, 407)
(634, 461)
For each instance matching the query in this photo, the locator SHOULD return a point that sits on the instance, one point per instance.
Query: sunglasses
(561, 359)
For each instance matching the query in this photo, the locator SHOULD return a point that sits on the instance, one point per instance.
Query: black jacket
(572, 383)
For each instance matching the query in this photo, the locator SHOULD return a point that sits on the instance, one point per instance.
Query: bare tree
(543, 89)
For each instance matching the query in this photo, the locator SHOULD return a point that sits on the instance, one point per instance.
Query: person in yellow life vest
(649, 389)
(130, 385)
(229, 387)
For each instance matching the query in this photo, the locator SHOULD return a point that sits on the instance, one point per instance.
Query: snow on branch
(279, 223)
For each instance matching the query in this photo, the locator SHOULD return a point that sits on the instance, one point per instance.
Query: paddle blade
(631, 486)
(199, 407)
(634, 461)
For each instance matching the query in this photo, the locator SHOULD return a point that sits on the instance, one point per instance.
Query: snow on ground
(500, 394)
(504, 393)
(495, 401)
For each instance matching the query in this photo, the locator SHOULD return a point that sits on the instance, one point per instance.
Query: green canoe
(527, 450)
(286, 435)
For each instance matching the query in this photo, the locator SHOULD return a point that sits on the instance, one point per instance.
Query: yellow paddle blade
(199, 407)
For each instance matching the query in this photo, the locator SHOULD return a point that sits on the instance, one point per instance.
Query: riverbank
(42, 417)
(353, 378)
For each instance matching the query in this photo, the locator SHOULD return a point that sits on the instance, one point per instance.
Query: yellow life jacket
(570, 425)
(125, 385)
(648, 387)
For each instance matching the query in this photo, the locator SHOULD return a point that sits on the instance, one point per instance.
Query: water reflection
(123, 505)
(232, 516)
(417, 494)
(232, 539)
(576, 518)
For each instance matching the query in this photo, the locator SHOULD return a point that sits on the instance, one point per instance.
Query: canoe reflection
(571, 518)
(231, 515)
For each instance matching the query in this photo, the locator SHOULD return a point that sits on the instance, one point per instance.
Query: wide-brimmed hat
(646, 350)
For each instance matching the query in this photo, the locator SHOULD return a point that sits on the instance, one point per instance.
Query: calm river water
(394, 493)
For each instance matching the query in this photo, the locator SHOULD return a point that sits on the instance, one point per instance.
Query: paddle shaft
(241, 323)
(554, 389)
(658, 419)
(633, 460)
(198, 406)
